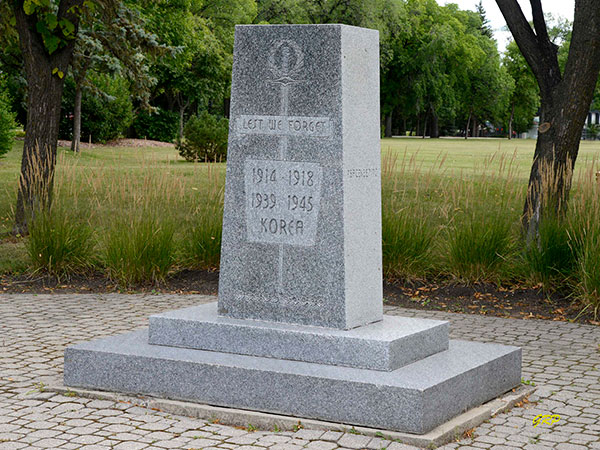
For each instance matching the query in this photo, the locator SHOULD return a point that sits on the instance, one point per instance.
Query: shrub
(106, 111)
(204, 138)
(7, 122)
(159, 125)
(141, 250)
(59, 244)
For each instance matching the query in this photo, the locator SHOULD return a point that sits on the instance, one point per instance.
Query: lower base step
(415, 398)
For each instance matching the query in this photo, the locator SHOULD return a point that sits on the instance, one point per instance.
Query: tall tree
(525, 98)
(484, 28)
(200, 72)
(112, 40)
(47, 31)
(565, 101)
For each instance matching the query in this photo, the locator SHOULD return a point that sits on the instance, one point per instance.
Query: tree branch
(538, 51)
(538, 21)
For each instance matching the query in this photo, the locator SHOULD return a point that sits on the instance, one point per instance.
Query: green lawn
(451, 207)
(470, 156)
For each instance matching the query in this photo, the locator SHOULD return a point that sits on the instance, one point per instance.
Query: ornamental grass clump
(202, 246)
(59, 244)
(550, 256)
(407, 229)
(584, 226)
(139, 250)
(478, 245)
(480, 233)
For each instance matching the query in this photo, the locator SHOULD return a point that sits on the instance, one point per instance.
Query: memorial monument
(298, 328)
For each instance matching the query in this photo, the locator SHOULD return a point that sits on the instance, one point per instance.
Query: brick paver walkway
(562, 359)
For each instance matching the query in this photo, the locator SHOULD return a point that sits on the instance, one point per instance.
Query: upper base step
(386, 345)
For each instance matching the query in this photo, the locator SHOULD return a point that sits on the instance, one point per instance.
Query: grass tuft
(59, 244)
(139, 250)
(550, 260)
(588, 274)
(406, 243)
(202, 245)
(478, 245)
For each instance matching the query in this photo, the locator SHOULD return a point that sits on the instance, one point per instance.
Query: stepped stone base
(415, 398)
(385, 345)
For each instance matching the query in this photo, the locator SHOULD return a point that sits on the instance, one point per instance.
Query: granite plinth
(386, 345)
(302, 211)
(414, 398)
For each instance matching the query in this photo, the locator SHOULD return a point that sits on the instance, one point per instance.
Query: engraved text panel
(282, 201)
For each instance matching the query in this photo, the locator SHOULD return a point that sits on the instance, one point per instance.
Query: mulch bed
(486, 299)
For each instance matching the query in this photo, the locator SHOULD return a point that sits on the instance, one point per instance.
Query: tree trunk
(183, 105)
(510, 122)
(226, 107)
(474, 132)
(559, 135)
(468, 125)
(43, 114)
(76, 120)
(424, 125)
(565, 101)
(434, 129)
(181, 118)
(388, 125)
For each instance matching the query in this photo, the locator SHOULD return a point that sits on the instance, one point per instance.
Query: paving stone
(354, 441)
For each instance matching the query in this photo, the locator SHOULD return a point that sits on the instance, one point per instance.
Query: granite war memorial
(298, 328)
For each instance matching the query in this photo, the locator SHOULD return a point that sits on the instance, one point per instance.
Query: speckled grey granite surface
(385, 345)
(414, 398)
(302, 219)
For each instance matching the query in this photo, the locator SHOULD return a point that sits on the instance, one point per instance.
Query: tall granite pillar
(302, 221)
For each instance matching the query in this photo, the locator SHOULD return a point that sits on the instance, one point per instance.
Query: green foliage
(524, 99)
(106, 108)
(478, 244)
(439, 62)
(592, 131)
(202, 32)
(56, 31)
(59, 244)
(159, 125)
(205, 138)
(140, 250)
(7, 121)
